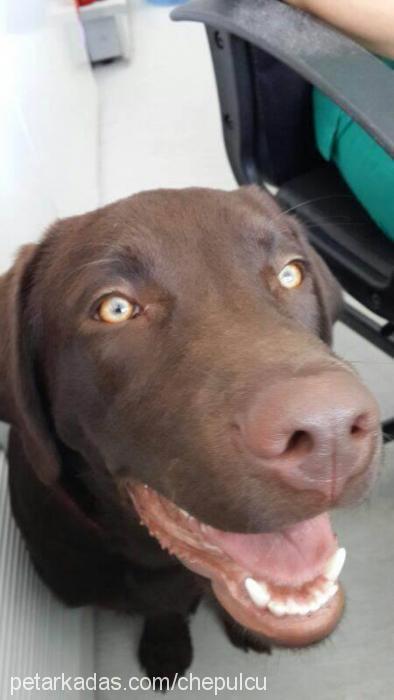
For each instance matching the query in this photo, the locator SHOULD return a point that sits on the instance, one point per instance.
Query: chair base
(382, 336)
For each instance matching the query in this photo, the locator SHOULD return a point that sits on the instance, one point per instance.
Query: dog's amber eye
(117, 309)
(291, 276)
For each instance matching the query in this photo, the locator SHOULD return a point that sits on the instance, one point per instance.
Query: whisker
(310, 201)
(310, 226)
(367, 362)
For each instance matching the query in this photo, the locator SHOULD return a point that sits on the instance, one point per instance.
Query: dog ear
(20, 400)
(328, 290)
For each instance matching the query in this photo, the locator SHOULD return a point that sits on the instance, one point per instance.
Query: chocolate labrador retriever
(180, 424)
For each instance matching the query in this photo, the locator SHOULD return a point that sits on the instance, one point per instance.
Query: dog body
(170, 344)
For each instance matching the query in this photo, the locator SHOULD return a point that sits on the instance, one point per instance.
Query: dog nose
(316, 431)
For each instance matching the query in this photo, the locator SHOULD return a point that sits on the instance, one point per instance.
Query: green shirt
(364, 165)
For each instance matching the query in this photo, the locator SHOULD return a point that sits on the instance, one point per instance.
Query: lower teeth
(260, 596)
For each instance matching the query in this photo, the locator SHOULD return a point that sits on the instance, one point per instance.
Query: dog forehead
(165, 230)
(158, 221)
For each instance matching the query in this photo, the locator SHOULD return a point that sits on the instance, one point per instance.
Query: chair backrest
(269, 136)
(266, 110)
(284, 138)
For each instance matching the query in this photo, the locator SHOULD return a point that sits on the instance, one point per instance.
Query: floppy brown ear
(20, 400)
(328, 290)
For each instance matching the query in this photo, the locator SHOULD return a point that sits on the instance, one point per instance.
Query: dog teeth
(277, 608)
(292, 607)
(332, 590)
(303, 609)
(258, 592)
(260, 595)
(185, 513)
(320, 597)
(334, 565)
(314, 605)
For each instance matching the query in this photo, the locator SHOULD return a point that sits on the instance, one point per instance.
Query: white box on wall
(107, 29)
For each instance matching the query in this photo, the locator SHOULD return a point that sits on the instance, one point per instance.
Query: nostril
(356, 430)
(360, 427)
(299, 445)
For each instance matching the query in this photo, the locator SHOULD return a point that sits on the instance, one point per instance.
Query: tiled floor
(160, 128)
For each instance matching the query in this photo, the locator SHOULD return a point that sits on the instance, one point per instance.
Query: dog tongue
(289, 557)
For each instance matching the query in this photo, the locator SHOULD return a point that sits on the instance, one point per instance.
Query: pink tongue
(290, 557)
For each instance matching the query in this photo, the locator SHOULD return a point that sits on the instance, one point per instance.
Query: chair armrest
(351, 76)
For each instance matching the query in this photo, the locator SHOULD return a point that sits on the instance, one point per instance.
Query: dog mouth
(283, 585)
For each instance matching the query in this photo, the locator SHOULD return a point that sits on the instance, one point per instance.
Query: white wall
(48, 120)
(48, 169)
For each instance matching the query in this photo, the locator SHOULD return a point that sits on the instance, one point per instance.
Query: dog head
(181, 339)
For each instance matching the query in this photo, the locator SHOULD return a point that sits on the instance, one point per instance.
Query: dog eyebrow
(121, 263)
(118, 262)
(125, 264)
(262, 237)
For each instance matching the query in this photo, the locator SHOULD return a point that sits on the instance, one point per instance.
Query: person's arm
(369, 21)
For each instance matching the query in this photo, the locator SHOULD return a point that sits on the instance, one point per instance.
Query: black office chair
(266, 56)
